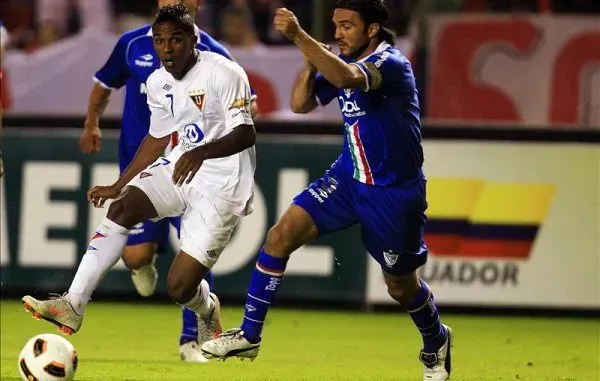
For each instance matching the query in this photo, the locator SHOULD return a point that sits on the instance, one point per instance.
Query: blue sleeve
(209, 44)
(324, 90)
(387, 71)
(115, 71)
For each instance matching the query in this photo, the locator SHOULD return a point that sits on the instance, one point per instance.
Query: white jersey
(206, 104)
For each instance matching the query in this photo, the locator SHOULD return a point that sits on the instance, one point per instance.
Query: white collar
(196, 30)
(380, 48)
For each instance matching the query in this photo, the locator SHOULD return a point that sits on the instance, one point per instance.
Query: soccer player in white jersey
(129, 65)
(208, 178)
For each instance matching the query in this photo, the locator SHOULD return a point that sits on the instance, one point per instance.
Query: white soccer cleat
(437, 365)
(231, 343)
(145, 278)
(56, 310)
(210, 326)
(190, 352)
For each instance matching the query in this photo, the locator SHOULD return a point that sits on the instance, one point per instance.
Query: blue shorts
(147, 231)
(157, 232)
(392, 218)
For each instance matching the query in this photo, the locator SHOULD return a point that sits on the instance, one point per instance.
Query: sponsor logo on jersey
(137, 229)
(382, 59)
(349, 107)
(145, 61)
(193, 133)
(239, 103)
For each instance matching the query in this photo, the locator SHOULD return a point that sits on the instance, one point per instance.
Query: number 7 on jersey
(170, 96)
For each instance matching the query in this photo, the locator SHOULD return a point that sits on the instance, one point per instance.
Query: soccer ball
(47, 357)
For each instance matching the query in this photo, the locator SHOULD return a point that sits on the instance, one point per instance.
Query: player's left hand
(187, 166)
(99, 194)
(287, 23)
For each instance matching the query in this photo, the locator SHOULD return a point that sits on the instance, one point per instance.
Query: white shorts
(206, 225)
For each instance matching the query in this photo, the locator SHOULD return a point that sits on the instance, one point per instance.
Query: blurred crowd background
(239, 23)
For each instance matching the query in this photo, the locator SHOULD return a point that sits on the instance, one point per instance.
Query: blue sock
(266, 279)
(210, 280)
(190, 326)
(424, 314)
(189, 331)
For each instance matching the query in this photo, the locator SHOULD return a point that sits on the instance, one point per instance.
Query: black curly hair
(178, 14)
(372, 12)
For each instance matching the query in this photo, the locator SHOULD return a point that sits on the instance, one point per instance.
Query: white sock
(104, 250)
(201, 303)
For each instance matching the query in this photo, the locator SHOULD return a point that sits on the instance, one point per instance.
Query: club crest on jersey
(390, 258)
(197, 96)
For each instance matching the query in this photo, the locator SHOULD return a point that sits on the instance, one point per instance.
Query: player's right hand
(99, 194)
(91, 138)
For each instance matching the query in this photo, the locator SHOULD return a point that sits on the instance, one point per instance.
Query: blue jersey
(130, 64)
(382, 142)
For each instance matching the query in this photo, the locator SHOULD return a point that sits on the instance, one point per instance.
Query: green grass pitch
(139, 342)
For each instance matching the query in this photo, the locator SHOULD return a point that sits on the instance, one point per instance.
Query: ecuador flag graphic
(477, 218)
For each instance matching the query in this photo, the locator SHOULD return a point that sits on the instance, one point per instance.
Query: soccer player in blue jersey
(377, 181)
(130, 64)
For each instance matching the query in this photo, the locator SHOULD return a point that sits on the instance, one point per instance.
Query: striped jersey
(382, 128)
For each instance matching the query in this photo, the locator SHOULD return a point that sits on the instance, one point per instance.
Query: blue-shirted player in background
(130, 64)
(376, 182)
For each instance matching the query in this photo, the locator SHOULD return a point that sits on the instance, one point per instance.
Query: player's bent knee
(280, 240)
(397, 293)
(180, 290)
(293, 230)
(403, 289)
(122, 213)
(132, 207)
(137, 256)
(115, 210)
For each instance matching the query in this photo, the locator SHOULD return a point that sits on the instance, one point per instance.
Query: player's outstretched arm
(148, 152)
(90, 140)
(336, 71)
